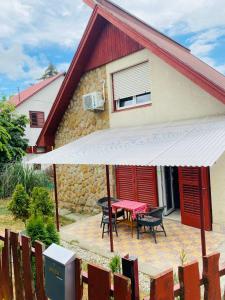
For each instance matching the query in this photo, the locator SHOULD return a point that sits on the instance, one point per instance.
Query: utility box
(59, 273)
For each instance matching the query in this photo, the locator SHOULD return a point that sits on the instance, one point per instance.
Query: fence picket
(7, 267)
(27, 272)
(211, 277)
(40, 287)
(189, 281)
(162, 286)
(122, 287)
(16, 254)
(78, 279)
(98, 275)
(1, 278)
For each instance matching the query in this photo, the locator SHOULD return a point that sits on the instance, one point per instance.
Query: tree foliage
(19, 205)
(41, 202)
(49, 72)
(12, 134)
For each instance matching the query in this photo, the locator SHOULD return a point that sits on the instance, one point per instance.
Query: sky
(34, 33)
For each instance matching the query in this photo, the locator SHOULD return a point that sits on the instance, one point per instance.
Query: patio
(153, 258)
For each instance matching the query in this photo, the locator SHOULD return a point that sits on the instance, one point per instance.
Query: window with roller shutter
(137, 184)
(37, 119)
(189, 184)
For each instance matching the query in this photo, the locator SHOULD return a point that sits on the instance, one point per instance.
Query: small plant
(19, 205)
(42, 230)
(183, 257)
(115, 264)
(41, 202)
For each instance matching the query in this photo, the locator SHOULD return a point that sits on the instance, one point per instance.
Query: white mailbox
(59, 273)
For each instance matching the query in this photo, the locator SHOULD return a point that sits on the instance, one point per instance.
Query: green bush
(42, 230)
(41, 202)
(18, 173)
(19, 205)
(115, 264)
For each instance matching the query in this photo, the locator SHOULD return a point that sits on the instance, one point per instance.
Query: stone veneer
(80, 186)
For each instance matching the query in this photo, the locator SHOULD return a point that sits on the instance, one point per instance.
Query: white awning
(188, 143)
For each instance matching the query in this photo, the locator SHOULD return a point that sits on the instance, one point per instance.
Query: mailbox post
(59, 273)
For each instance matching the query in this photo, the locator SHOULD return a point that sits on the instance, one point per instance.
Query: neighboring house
(35, 102)
(145, 78)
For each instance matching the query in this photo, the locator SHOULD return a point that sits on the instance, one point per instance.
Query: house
(145, 78)
(35, 102)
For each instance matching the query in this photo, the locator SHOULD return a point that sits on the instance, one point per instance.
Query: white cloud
(39, 23)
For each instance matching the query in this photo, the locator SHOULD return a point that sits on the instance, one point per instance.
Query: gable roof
(168, 50)
(32, 90)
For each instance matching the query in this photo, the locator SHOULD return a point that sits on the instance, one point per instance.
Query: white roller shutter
(132, 81)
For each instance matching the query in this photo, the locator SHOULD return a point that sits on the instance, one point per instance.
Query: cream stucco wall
(174, 97)
(217, 174)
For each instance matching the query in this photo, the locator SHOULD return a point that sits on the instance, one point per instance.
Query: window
(131, 86)
(37, 119)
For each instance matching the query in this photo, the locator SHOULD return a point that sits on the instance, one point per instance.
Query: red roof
(168, 50)
(29, 92)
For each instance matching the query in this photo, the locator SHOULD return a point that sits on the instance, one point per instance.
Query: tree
(13, 143)
(49, 72)
(41, 202)
(19, 205)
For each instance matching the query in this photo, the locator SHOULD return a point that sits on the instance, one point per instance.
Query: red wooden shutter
(125, 184)
(190, 196)
(137, 184)
(146, 185)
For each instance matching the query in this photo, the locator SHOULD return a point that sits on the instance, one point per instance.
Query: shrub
(41, 202)
(19, 205)
(115, 264)
(45, 231)
(18, 173)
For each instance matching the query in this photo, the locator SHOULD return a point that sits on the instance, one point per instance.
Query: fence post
(130, 270)
(78, 279)
(27, 272)
(99, 281)
(211, 277)
(162, 286)
(40, 286)
(16, 254)
(7, 267)
(122, 287)
(1, 278)
(189, 282)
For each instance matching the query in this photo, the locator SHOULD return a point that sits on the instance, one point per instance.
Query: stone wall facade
(80, 186)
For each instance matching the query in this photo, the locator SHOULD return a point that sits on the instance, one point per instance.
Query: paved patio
(153, 258)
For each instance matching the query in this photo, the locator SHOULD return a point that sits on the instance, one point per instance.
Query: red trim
(104, 10)
(133, 107)
(34, 150)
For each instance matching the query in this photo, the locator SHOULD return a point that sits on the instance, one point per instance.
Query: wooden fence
(16, 277)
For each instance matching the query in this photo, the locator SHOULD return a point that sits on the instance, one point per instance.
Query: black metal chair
(150, 220)
(103, 203)
(105, 222)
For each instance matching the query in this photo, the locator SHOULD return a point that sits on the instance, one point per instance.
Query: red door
(137, 184)
(189, 184)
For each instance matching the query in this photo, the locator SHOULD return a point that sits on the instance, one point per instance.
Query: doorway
(171, 194)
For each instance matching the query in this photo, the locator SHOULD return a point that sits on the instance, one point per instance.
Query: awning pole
(202, 210)
(109, 208)
(56, 198)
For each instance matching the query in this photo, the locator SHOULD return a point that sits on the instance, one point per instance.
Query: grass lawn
(7, 220)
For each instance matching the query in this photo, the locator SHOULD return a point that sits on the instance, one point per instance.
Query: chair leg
(101, 222)
(163, 229)
(103, 231)
(154, 234)
(115, 226)
(138, 232)
(108, 229)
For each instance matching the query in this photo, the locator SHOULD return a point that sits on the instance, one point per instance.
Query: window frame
(115, 106)
(38, 125)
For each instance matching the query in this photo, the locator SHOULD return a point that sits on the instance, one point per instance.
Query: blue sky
(36, 32)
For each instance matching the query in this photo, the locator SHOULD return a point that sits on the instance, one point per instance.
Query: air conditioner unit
(93, 101)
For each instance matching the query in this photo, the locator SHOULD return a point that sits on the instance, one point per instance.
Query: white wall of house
(174, 97)
(41, 101)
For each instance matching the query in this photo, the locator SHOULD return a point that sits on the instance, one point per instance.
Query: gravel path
(91, 257)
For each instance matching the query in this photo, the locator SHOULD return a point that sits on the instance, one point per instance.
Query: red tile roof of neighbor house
(32, 90)
(165, 48)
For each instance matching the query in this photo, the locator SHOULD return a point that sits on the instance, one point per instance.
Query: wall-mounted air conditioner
(93, 101)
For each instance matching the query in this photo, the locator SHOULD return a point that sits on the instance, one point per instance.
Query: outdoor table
(132, 208)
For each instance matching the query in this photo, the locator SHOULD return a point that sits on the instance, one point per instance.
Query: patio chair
(103, 202)
(105, 222)
(150, 220)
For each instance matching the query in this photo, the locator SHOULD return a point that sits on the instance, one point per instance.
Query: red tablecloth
(133, 206)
